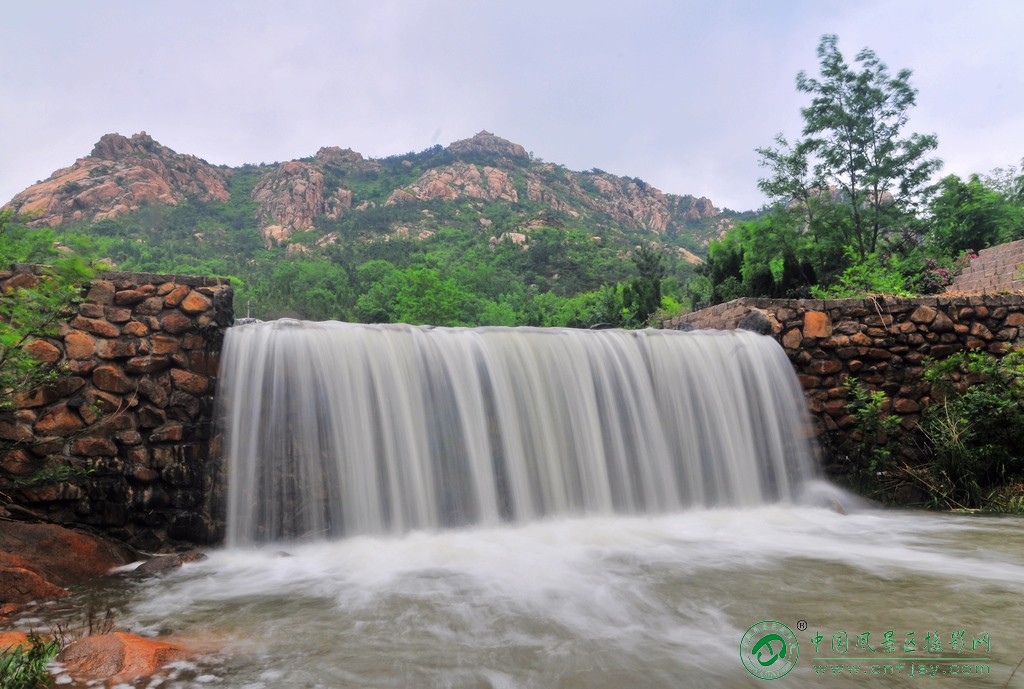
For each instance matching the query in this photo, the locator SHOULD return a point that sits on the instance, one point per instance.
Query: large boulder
(38, 560)
(116, 658)
(21, 583)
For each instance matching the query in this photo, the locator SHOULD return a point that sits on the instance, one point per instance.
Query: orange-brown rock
(15, 431)
(20, 583)
(941, 324)
(101, 292)
(95, 326)
(19, 462)
(79, 345)
(146, 364)
(175, 322)
(43, 351)
(19, 281)
(136, 328)
(171, 432)
(824, 366)
(111, 378)
(175, 296)
(58, 420)
(132, 296)
(117, 314)
(189, 382)
(64, 386)
(117, 658)
(923, 315)
(817, 324)
(979, 330)
(10, 640)
(41, 559)
(905, 405)
(457, 180)
(91, 446)
(121, 348)
(165, 344)
(195, 303)
(486, 142)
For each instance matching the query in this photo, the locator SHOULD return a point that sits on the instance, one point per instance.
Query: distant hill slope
(484, 181)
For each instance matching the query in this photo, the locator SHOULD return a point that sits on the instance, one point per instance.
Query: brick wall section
(133, 416)
(882, 341)
(996, 269)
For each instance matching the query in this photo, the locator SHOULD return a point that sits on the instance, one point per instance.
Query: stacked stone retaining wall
(996, 269)
(883, 342)
(122, 439)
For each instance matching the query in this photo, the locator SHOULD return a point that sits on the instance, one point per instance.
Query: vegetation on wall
(34, 308)
(975, 426)
(972, 433)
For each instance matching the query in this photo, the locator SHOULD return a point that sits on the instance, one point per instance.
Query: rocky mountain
(483, 179)
(120, 176)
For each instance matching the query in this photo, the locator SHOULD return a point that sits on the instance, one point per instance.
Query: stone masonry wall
(122, 441)
(881, 341)
(998, 268)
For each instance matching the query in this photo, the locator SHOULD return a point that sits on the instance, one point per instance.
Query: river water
(600, 602)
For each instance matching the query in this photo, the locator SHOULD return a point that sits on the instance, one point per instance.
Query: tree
(854, 156)
(309, 288)
(970, 216)
(641, 296)
(1008, 182)
(854, 127)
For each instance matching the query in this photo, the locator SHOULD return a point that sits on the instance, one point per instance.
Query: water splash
(335, 429)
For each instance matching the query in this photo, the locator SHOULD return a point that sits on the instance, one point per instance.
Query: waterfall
(334, 429)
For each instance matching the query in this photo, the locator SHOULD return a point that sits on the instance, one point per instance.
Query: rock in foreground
(116, 657)
(38, 560)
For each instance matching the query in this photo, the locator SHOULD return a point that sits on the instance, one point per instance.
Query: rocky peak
(117, 146)
(700, 208)
(120, 176)
(293, 195)
(486, 142)
(336, 155)
(456, 180)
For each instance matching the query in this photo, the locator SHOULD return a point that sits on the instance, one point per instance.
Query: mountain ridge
(312, 195)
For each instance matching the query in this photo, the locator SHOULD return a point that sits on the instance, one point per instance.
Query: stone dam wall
(881, 341)
(123, 442)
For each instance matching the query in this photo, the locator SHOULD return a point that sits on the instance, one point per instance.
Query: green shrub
(26, 668)
(868, 445)
(975, 425)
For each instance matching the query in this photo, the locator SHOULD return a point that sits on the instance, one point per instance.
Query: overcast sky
(678, 93)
